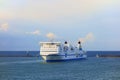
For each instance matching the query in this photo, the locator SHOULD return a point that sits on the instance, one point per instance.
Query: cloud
(51, 36)
(88, 37)
(36, 32)
(4, 27)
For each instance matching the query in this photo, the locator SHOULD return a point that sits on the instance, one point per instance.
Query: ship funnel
(79, 42)
(66, 42)
(79, 45)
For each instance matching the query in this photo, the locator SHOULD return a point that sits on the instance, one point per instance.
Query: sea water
(34, 68)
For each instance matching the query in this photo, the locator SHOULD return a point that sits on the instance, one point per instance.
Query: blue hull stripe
(60, 55)
(65, 60)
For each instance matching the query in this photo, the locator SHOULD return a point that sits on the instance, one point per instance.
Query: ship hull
(58, 58)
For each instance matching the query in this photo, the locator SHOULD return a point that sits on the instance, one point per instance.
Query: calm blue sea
(36, 53)
(33, 68)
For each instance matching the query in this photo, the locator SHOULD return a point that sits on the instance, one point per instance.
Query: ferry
(56, 51)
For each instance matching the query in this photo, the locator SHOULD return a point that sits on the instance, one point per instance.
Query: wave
(21, 62)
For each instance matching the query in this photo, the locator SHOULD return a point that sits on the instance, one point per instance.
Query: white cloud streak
(88, 37)
(36, 32)
(4, 27)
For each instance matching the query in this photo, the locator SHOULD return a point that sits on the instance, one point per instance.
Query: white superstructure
(55, 51)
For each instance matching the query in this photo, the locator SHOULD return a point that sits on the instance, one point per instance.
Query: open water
(33, 68)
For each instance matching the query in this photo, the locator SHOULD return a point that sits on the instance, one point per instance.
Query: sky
(25, 23)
